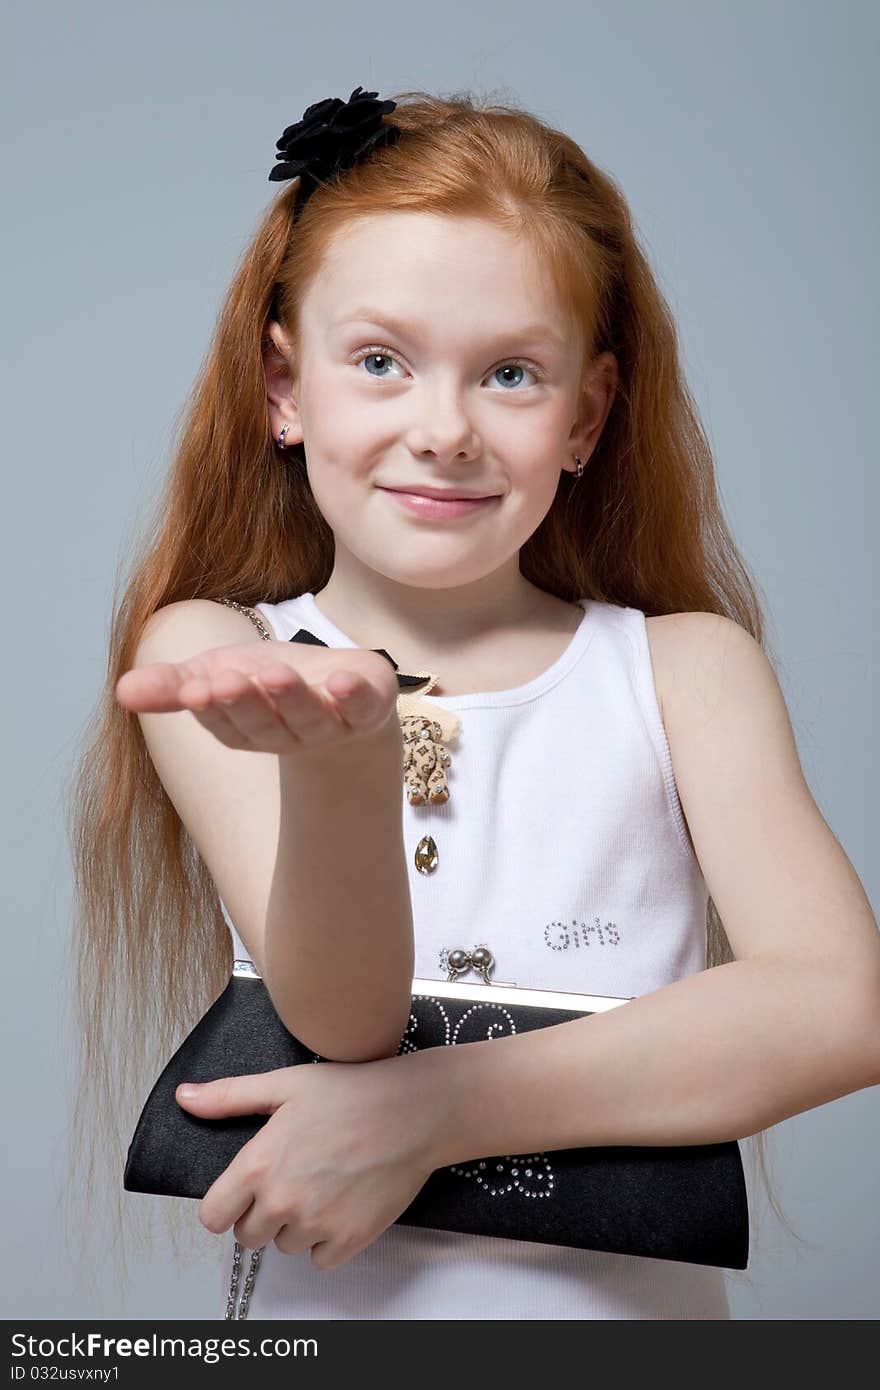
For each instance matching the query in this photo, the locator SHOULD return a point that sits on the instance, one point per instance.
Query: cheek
(335, 440)
(533, 464)
(528, 437)
(344, 432)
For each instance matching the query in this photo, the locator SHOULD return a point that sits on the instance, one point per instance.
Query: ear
(596, 400)
(281, 386)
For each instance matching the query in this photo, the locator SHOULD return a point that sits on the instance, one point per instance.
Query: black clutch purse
(685, 1203)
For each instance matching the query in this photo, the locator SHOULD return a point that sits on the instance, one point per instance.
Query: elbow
(338, 1039)
(365, 1053)
(865, 1035)
(335, 1048)
(875, 1056)
(869, 1070)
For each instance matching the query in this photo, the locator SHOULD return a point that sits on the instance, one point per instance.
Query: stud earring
(281, 436)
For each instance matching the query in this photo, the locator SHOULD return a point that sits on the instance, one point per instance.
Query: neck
(437, 624)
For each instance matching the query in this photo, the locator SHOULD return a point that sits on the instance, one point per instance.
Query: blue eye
(381, 355)
(373, 355)
(512, 367)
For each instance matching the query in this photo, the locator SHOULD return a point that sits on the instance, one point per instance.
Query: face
(433, 352)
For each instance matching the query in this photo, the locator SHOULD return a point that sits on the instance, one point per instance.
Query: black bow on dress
(404, 682)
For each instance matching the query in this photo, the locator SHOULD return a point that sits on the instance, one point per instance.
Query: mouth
(441, 507)
(445, 494)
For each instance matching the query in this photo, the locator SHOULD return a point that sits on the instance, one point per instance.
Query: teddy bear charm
(426, 730)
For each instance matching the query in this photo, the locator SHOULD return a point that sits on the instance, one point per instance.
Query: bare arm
(301, 832)
(792, 1023)
(716, 1056)
(339, 928)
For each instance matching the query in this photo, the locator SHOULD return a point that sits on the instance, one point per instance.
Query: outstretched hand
(265, 697)
(334, 1166)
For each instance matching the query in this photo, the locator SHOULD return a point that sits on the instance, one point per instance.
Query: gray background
(139, 144)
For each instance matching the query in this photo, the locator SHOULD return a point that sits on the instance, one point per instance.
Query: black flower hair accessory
(332, 136)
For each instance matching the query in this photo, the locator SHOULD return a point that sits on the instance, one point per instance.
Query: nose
(442, 426)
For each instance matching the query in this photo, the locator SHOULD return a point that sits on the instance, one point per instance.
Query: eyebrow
(532, 333)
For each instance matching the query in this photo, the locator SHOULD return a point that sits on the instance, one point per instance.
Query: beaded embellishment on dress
(426, 731)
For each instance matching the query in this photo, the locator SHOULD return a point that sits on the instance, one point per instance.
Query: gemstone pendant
(426, 857)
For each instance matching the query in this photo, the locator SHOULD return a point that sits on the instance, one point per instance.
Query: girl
(444, 422)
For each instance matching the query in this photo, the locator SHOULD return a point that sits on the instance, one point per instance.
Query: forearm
(713, 1057)
(339, 930)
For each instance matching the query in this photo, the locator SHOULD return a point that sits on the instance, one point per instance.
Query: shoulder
(690, 650)
(177, 630)
(732, 745)
(721, 698)
(781, 881)
(227, 798)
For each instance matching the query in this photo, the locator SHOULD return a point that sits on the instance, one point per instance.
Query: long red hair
(236, 518)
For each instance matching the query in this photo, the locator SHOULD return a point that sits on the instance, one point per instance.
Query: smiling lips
(444, 507)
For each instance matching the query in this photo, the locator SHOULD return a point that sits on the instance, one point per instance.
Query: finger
(308, 714)
(327, 1254)
(353, 693)
(293, 1240)
(155, 688)
(260, 1093)
(232, 1196)
(315, 714)
(359, 702)
(268, 713)
(264, 1222)
(238, 711)
(238, 1198)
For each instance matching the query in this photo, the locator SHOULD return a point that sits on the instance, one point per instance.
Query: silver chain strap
(480, 959)
(249, 613)
(256, 1256)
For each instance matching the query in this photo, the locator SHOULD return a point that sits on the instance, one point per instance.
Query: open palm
(268, 697)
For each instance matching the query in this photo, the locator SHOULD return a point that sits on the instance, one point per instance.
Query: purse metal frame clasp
(501, 992)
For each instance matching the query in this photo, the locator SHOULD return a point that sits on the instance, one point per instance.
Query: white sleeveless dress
(563, 847)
